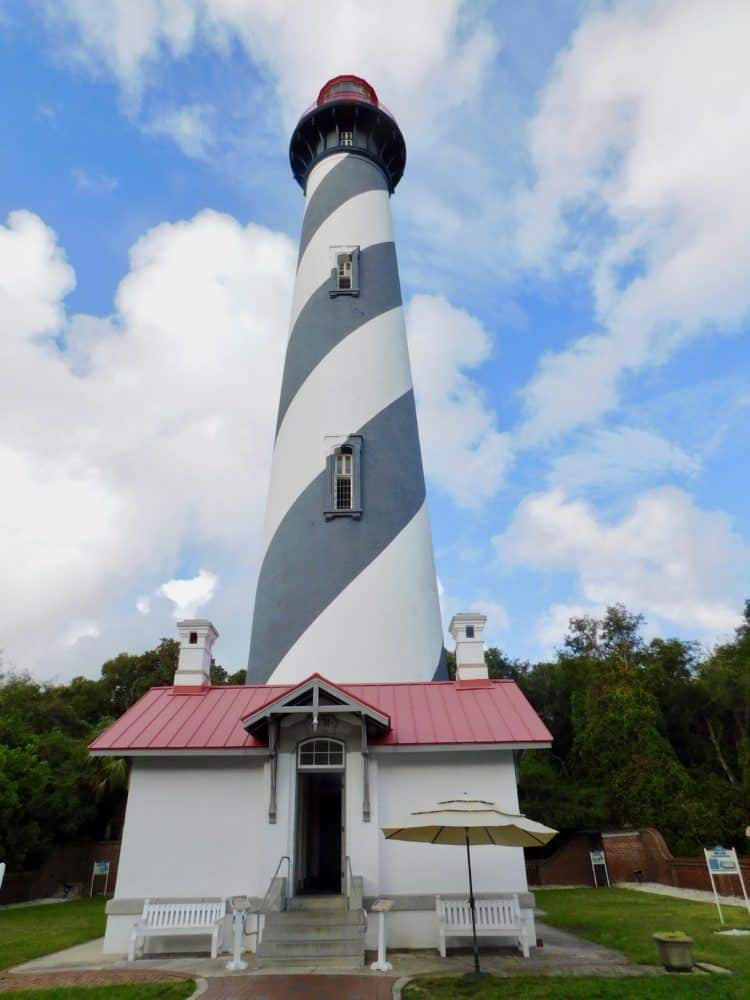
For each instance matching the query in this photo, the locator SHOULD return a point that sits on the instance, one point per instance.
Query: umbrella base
(477, 975)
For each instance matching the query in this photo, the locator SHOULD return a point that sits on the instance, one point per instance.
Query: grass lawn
(32, 931)
(624, 920)
(135, 991)
(573, 988)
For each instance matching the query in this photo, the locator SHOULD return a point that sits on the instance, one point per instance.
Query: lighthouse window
(344, 487)
(345, 271)
(346, 138)
(344, 471)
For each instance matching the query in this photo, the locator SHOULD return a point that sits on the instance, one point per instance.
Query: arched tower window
(320, 753)
(344, 477)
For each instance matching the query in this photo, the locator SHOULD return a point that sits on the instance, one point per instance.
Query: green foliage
(23, 781)
(645, 734)
(51, 790)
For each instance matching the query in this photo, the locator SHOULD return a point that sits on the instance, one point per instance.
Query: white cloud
(149, 432)
(407, 48)
(497, 616)
(150, 436)
(190, 127)
(464, 453)
(433, 62)
(93, 183)
(81, 630)
(188, 595)
(34, 278)
(665, 557)
(640, 147)
(617, 457)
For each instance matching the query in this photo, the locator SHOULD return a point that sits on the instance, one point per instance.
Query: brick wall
(68, 863)
(632, 856)
(570, 864)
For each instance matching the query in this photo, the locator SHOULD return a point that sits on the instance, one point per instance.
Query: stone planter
(675, 951)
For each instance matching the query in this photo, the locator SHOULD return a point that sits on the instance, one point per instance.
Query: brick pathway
(300, 988)
(100, 977)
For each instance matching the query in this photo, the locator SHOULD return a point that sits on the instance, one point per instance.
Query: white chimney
(468, 631)
(197, 636)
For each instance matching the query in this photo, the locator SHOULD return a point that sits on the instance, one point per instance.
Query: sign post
(100, 868)
(721, 861)
(598, 859)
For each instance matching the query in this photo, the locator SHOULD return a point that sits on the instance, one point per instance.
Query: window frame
(334, 445)
(337, 252)
(340, 744)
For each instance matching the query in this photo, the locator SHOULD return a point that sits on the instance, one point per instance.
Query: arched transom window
(320, 752)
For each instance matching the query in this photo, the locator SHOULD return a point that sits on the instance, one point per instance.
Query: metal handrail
(282, 859)
(349, 877)
(256, 911)
(349, 884)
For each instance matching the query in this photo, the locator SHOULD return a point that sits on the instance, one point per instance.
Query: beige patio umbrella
(466, 822)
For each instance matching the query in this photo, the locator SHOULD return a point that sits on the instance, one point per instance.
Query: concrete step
(314, 918)
(338, 932)
(317, 903)
(310, 949)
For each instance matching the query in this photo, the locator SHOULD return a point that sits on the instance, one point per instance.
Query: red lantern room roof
(347, 116)
(347, 88)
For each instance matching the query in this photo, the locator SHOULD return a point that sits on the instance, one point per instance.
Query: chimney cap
(193, 624)
(464, 618)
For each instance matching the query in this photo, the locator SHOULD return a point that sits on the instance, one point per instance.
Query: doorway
(320, 830)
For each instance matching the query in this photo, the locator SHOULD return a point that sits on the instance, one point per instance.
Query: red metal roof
(421, 714)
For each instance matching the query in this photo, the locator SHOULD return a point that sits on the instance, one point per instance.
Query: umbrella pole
(471, 907)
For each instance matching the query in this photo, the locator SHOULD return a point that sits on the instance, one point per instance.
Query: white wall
(199, 827)
(193, 828)
(409, 781)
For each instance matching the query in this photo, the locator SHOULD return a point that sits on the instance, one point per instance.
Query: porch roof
(421, 714)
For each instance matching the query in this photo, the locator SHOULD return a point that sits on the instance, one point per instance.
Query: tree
(725, 692)
(127, 677)
(24, 834)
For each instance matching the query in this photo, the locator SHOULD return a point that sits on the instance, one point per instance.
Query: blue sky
(572, 239)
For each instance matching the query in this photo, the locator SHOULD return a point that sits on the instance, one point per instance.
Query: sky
(572, 231)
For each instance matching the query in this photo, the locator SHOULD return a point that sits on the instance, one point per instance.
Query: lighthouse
(347, 584)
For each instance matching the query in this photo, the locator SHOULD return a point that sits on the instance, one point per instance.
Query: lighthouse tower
(347, 584)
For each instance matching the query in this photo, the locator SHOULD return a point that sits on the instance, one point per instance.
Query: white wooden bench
(495, 917)
(186, 917)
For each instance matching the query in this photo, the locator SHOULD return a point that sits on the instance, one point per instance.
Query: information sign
(723, 861)
(598, 860)
(100, 868)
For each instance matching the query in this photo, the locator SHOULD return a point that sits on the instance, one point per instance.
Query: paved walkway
(338, 987)
(698, 895)
(562, 954)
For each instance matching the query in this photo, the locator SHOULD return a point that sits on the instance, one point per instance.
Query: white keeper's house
(277, 789)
